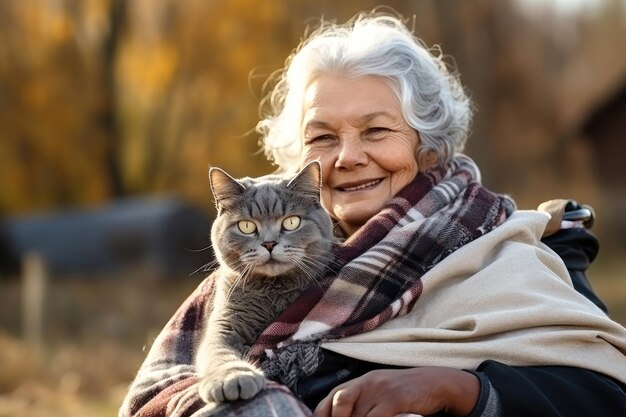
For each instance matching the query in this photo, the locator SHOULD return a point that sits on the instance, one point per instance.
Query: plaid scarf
(381, 267)
(379, 278)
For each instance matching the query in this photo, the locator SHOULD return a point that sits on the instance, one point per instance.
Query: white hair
(431, 97)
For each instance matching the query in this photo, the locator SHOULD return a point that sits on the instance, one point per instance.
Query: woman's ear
(427, 160)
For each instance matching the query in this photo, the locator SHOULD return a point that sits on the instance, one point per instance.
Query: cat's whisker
(242, 280)
(201, 249)
(247, 272)
(307, 270)
(325, 261)
(329, 259)
(240, 277)
(206, 267)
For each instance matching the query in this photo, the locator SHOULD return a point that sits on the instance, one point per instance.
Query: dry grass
(72, 380)
(97, 331)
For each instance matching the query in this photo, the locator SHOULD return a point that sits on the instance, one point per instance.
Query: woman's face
(355, 127)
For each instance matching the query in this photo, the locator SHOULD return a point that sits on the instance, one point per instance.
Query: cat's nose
(269, 245)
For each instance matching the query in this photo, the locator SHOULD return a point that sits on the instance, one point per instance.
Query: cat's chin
(273, 268)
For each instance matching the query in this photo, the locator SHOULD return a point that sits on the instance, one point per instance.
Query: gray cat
(272, 239)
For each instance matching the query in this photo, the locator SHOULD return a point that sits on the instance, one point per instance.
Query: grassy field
(96, 333)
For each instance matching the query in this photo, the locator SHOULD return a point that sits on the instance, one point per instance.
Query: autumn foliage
(110, 98)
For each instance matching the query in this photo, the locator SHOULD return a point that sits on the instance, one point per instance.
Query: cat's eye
(247, 226)
(291, 223)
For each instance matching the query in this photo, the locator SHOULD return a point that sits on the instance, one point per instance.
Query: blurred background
(111, 112)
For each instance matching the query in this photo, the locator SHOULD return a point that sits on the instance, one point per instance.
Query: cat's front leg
(230, 381)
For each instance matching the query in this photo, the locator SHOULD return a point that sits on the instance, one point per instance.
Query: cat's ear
(308, 180)
(223, 186)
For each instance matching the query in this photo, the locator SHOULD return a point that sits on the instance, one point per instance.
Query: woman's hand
(388, 392)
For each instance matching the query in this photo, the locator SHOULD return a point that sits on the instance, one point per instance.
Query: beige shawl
(505, 297)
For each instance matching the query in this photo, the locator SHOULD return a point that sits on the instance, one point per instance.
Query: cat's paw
(236, 384)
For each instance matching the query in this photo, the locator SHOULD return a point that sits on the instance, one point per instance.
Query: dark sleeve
(578, 248)
(554, 391)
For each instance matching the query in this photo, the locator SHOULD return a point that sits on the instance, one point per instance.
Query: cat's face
(271, 225)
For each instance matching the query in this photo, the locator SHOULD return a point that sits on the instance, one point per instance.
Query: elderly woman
(447, 301)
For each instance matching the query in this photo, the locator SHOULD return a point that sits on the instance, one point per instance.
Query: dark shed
(606, 127)
(165, 233)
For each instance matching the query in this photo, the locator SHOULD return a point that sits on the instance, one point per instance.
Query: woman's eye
(291, 223)
(376, 130)
(247, 226)
(319, 139)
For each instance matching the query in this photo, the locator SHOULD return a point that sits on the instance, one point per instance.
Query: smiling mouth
(361, 186)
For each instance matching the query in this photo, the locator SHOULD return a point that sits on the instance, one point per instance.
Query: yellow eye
(247, 226)
(291, 223)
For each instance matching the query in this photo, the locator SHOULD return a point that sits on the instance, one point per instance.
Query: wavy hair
(430, 94)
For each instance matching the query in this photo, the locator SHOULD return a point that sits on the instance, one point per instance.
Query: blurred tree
(184, 93)
(102, 98)
(51, 150)
(111, 45)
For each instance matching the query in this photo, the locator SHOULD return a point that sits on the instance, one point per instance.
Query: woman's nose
(351, 155)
